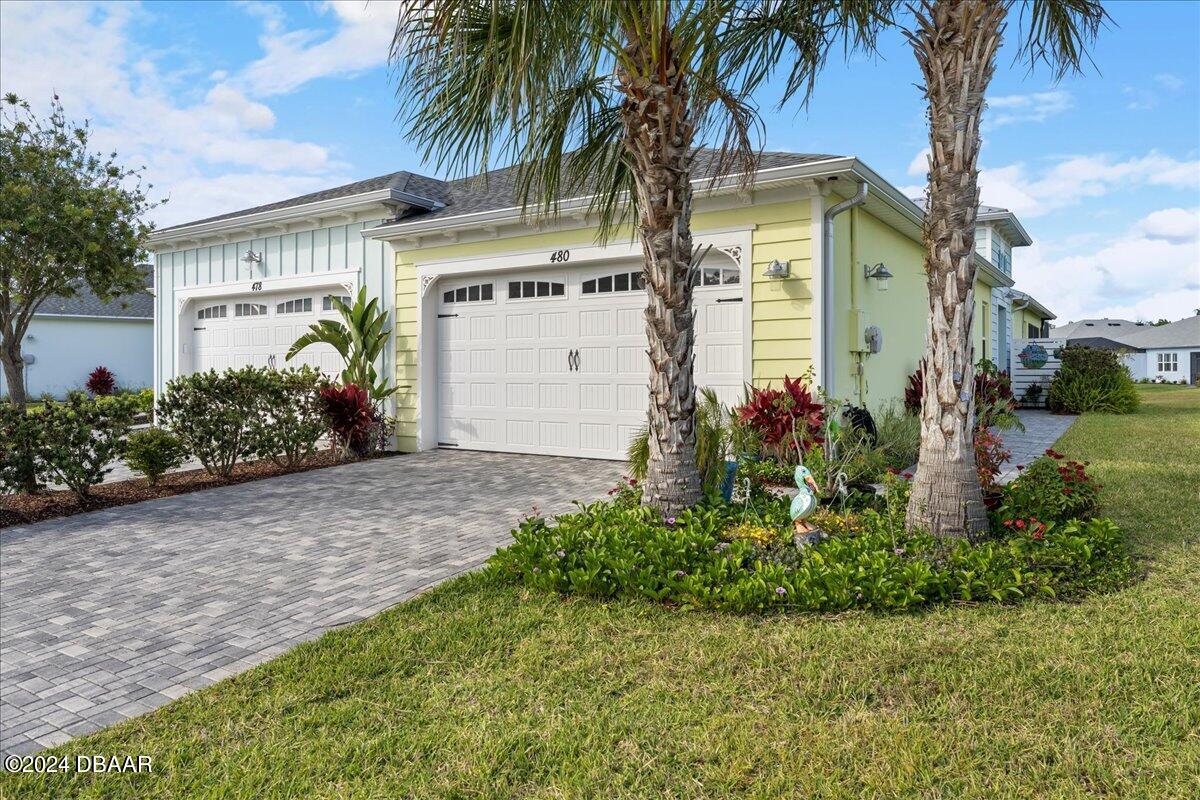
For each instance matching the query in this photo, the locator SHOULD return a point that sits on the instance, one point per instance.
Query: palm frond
(1058, 33)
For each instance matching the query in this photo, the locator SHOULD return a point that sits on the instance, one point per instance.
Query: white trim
(386, 196)
(38, 314)
(307, 280)
(817, 317)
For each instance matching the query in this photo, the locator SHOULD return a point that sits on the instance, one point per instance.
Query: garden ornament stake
(803, 505)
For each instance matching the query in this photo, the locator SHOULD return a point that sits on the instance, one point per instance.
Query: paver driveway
(107, 615)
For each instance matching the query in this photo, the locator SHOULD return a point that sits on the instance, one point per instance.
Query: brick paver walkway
(1042, 430)
(107, 615)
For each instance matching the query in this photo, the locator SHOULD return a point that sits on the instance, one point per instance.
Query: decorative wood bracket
(426, 282)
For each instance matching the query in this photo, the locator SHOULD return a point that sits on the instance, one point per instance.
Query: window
(477, 293)
(249, 310)
(212, 312)
(1001, 254)
(327, 301)
(717, 276)
(526, 289)
(617, 282)
(1168, 362)
(297, 306)
(1034, 331)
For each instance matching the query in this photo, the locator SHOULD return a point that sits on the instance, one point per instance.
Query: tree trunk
(14, 372)
(658, 130)
(955, 42)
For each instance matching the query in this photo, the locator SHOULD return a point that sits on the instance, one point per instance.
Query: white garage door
(257, 330)
(555, 363)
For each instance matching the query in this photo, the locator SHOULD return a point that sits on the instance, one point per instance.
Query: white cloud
(1075, 178)
(1035, 107)
(1172, 224)
(1139, 274)
(293, 58)
(1172, 82)
(211, 153)
(919, 166)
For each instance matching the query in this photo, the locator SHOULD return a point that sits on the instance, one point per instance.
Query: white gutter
(828, 352)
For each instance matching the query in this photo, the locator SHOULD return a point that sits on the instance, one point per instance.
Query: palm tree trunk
(955, 43)
(658, 130)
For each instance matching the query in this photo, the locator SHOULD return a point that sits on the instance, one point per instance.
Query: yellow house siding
(781, 312)
(861, 239)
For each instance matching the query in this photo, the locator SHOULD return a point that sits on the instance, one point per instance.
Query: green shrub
(21, 467)
(1051, 488)
(1091, 379)
(609, 551)
(213, 414)
(145, 401)
(82, 437)
(713, 433)
(291, 418)
(153, 452)
(899, 436)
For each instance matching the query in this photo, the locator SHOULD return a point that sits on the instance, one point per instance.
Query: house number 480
(559, 256)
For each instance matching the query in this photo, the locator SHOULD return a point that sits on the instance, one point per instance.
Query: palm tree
(610, 99)
(955, 43)
(359, 339)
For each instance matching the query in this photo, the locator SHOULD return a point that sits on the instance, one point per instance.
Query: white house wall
(326, 249)
(66, 349)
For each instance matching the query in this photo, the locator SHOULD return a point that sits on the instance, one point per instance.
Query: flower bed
(23, 509)
(740, 556)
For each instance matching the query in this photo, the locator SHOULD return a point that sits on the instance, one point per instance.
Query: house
(1030, 319)
(1105, 328)
(71, 336)
(523, 335)
(1165, 353)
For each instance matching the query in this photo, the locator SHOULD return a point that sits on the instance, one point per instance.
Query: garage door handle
(729, 299)
(572, 360)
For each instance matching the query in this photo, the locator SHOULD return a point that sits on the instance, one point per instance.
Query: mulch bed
(22, 509)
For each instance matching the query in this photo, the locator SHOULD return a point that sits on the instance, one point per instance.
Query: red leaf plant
(789, 421)
(350, 416)
(101, 382)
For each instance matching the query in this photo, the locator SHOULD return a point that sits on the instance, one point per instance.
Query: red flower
(1038, 535)
(1020, 524)
(1068, 491)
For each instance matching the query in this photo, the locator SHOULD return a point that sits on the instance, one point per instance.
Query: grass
(480, 690)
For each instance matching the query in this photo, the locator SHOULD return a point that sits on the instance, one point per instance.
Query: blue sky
(234, 104)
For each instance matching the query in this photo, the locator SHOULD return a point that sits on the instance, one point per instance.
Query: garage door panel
(568, 373)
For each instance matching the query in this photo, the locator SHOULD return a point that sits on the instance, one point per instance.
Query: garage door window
(717, 276)
(298, 306)
(327, 301)
(523, 290)
(250, 310)
(212, 312)
(477, 293)
(617, 282)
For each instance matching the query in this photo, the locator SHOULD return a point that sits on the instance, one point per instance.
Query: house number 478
(559, 256)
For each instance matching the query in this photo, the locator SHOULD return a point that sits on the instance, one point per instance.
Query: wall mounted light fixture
(251, 258)
(778, 269)
(879, 273)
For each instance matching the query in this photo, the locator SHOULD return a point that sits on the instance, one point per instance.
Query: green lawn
(482, 690)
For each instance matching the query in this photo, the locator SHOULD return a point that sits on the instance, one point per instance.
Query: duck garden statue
(803, 505)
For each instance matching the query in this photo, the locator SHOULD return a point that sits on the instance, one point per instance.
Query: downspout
(827, 294)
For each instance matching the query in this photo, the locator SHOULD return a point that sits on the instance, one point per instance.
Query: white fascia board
(766, 179)
(307, 280)
(1033, 305)
(1015, 231)
(990, 275)
(290, 213)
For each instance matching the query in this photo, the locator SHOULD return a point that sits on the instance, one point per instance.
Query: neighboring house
(526, 336)
(71, 336)
(1030, 319)
(1168, 353)
(1096, 328)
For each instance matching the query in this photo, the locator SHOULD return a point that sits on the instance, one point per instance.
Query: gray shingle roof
(486, 192)
(1108, 328)
(84, 303)
(404, 181)
(1184, 333)
(491, 191)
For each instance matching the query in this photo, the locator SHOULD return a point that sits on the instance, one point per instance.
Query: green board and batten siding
(325, 249)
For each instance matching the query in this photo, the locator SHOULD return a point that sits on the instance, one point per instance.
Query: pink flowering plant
(1051, 488)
